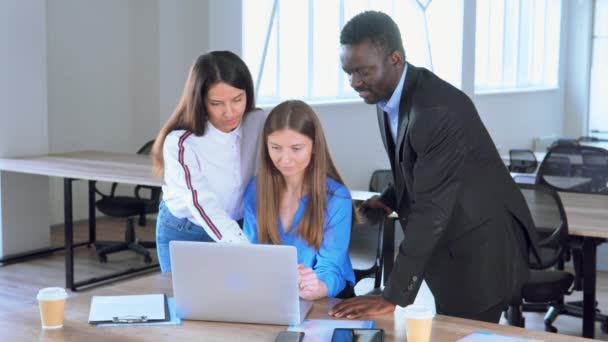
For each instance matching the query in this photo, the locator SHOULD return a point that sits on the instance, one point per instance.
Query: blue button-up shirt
(331, 262)
(391, 107)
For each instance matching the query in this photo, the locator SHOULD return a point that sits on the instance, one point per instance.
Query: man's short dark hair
(377, 27)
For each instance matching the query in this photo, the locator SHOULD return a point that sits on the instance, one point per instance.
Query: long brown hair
(191, 112)
(300, 117)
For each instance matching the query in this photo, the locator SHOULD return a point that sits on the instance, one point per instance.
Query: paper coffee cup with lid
(418, 323)
(51, 301)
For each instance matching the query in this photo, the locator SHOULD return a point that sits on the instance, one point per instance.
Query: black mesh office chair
(586, 138)
(546, 287)
(583, 169)
(362, 234)
(564, 142)
(595, 166)
(575, 168)
(129, 207)
(522, 161)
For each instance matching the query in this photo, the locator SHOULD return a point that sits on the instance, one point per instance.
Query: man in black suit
(467, 228)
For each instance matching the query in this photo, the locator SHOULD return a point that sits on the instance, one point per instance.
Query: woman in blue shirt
(299, 199)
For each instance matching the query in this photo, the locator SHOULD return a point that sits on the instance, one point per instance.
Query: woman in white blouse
(206, 153)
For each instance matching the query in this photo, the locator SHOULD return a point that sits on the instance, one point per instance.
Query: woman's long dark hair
(191, 113)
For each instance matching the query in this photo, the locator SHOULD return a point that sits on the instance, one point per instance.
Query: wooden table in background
(24, 325)
(92, 166)
(587, 218)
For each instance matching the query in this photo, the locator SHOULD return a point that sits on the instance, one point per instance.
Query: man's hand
(373, 210)
(356, 307)
(311, 288)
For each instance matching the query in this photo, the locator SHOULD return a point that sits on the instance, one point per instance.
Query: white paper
(482, 336)
(174, 320)
(105, 308)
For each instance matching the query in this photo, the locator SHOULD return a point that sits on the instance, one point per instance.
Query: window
(302, 57)
(598, 102)
(517, 44)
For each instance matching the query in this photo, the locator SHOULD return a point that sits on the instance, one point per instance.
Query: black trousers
(491, 315)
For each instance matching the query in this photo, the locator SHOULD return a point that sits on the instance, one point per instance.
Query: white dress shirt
(205, 176)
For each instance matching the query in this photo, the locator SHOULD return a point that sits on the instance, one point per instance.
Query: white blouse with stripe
(205, 176)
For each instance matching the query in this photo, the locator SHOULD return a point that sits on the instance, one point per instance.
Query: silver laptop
(236, 283)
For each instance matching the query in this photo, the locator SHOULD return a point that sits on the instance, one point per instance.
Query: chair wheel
(148, 259)
(550, 328)
(604, 327)
(103, 258)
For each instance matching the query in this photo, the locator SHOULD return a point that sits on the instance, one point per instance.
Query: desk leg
(92, 228)
(388, 247)
(589, 275)
(69, 233)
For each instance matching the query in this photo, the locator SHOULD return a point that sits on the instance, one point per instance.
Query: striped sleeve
(185, 175)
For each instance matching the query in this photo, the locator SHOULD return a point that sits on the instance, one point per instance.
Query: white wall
(89, 85)
(24, 214)
(225, 34)
(354, 140)
(514, 120)
(90, 98)
(144, 70)
(184, 35)
(578, 65)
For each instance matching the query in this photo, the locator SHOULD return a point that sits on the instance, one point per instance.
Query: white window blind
(517, 45)
(302, 59)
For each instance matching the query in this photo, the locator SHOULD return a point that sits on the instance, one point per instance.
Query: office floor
(20, 282)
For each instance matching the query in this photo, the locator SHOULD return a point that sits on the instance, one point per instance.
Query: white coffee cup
(51, 301)
(418, 323)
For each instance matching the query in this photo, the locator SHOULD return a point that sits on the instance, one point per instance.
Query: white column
(24, 205)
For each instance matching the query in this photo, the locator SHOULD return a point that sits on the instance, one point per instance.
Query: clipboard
(129, 309)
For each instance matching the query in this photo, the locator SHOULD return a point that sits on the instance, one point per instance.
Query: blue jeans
(168, 228)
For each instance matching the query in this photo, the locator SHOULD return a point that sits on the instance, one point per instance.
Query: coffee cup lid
(52, 293)
(416, 311)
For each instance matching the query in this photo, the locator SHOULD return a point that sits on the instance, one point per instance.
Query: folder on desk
(129, 309)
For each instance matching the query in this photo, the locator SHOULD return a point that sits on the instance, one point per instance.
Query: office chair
(590, 164)
(522, 161)
(595, 166)
(128, 207)
(587, 163)
(564, 142)
(588, 139)
(362, 234)
(546, 287)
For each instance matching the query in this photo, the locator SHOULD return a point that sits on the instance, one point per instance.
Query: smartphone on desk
(357, 335)
(289, 336)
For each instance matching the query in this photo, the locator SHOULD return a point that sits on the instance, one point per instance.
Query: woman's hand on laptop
(311, 288)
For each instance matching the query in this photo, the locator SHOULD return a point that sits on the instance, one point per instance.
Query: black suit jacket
(467, 226)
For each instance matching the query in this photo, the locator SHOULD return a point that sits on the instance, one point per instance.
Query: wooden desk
(24, 325)
(92, 166)
(587, 218)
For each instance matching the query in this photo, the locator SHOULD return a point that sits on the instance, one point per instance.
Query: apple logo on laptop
(235, 282)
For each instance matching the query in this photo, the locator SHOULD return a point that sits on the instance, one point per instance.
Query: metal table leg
(589, 272)
(68, 233)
